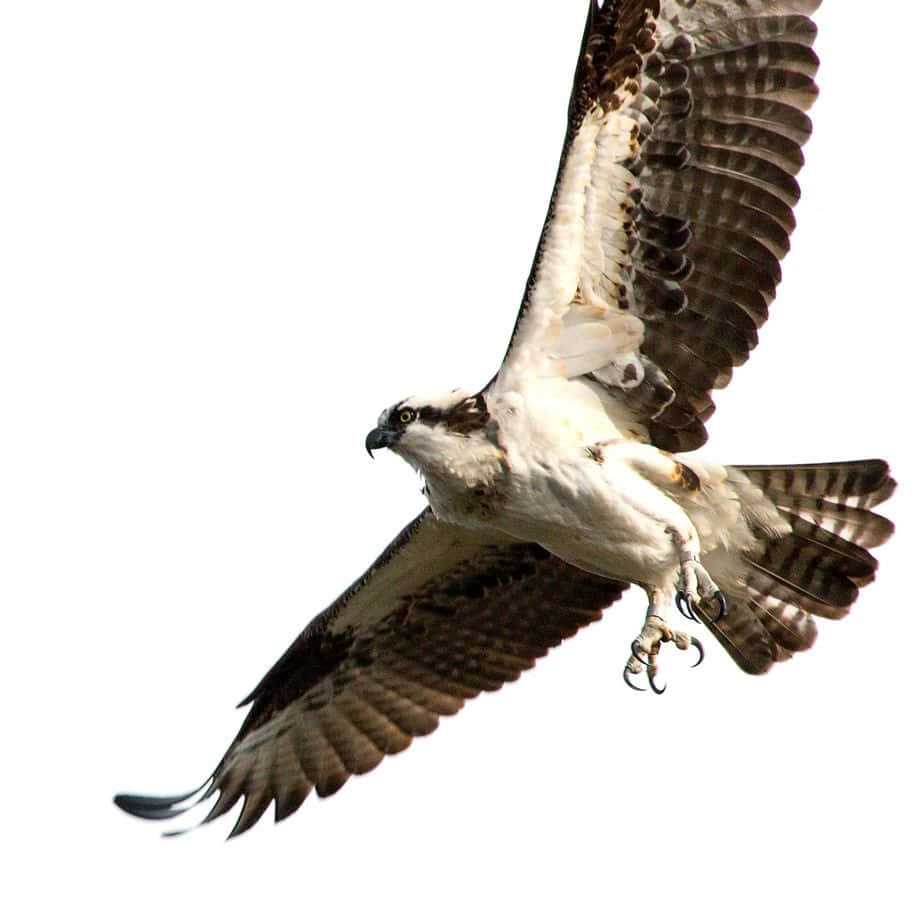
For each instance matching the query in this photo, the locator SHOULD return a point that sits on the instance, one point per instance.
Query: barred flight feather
(656, 266)
(699, 109)
(471, 621)
(815, 569)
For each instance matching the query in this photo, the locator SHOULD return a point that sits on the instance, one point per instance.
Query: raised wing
(672, 207)
(441, 616)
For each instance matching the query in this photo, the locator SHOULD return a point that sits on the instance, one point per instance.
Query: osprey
(563, 480)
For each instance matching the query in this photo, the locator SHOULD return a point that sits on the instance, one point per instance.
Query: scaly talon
(636, 649)
(699, 647)
(695, 585)
(629, 683)
(646, 645)
(687, 613)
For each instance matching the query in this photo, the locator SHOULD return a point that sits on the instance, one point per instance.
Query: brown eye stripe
(468, 415)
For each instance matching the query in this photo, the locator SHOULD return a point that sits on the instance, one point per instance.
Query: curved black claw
(629, 683)
(634, 648)
(723, 606)
(699, 648)
(680, 600)
(655, 687)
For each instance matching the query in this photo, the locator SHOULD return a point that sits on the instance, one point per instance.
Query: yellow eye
(406, 416)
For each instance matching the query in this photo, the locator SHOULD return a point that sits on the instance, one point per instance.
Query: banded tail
(816, 569)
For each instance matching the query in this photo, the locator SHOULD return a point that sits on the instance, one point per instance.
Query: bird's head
(429, 431)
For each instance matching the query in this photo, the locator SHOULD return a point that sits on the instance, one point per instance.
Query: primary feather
(553, 488)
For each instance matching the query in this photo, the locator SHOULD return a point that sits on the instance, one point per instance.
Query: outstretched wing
(441, 616)
(672, 207)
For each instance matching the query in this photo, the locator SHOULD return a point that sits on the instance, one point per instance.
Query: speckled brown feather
(338, 700)
(723, 96)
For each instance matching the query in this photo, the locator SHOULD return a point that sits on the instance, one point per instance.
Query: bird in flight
(564, 480)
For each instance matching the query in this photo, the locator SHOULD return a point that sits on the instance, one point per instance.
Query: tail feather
(855, 525)
(790, 627)
(849, 554)
(815, 568)
(813, 584)
(855, 483)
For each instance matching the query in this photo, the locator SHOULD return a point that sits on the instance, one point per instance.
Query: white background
(232, 233)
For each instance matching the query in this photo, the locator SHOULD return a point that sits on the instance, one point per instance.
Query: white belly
(604, 517)
(620, 510)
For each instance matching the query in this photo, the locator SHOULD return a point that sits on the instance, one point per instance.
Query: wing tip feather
(157, 808)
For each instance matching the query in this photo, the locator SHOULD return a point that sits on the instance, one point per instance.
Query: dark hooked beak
(380, 437)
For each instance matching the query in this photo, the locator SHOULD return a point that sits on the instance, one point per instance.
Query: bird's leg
(694, 583)
(647, 644)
